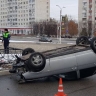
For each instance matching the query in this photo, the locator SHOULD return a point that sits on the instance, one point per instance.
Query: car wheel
(82, 40)
(93, 44)
(37, 61)
(27, 51)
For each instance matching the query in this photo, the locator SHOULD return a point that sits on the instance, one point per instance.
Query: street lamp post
(60, 21)
(57, 30)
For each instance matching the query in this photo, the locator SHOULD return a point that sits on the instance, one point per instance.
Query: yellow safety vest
(5, 35)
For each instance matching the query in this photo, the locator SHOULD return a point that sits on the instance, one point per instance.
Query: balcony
(84, 16)
(84, 21)
(84, 11)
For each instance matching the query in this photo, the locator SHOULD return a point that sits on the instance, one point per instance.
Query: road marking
(71, 43)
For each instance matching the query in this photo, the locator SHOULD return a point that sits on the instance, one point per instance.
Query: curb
(4, 72)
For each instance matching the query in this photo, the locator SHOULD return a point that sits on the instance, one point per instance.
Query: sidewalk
(72, 39)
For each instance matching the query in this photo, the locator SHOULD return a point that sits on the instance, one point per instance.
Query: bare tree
(70, 26)
(45, 27)
(82, 28)
(86, 28)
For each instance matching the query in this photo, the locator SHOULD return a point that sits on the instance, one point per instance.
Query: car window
(45, 38)
(41, 37)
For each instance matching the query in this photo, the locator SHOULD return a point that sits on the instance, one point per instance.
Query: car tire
(36, 62)
(93, 44)
(82, 40)
(27, 51)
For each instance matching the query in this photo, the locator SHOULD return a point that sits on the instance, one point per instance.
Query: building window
(26, 2)
(17, 31)
(30, 23)
(33, 0)
(84, 3)
(29, 1)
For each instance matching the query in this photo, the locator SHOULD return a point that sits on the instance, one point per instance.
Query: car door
(45, 39)
(86, 61)
(42, 39)
(62, 64)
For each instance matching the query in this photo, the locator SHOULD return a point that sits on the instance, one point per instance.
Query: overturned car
(72, 62)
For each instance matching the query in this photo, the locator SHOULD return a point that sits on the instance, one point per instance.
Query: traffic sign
(63, 18)
(66, 31)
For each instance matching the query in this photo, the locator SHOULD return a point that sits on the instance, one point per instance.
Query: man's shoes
(12, 71)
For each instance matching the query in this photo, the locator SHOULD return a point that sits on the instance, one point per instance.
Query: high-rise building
(18, 15)
(87, 15)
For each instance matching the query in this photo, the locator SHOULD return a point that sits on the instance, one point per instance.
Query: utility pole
(60, 22)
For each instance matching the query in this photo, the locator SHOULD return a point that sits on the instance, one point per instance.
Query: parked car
(45, 39)
(72, 62)
(38, 36)
(66, 36)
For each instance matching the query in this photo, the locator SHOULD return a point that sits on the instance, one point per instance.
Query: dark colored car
(66, 36)
(45, 39)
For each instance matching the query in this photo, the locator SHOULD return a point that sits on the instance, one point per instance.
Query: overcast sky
(71, 8)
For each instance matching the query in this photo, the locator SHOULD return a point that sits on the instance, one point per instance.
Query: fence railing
(9, 58)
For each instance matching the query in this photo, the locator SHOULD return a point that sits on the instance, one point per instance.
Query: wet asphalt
(47, 87)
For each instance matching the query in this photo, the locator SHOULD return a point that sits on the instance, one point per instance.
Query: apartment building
(19, 15)
(87, 15)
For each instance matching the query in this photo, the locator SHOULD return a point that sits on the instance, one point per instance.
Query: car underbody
(72, 62)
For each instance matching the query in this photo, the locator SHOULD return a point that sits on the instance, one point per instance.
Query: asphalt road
(48, 87)
(34, 39)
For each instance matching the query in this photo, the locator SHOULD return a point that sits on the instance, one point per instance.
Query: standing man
(6, 38)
